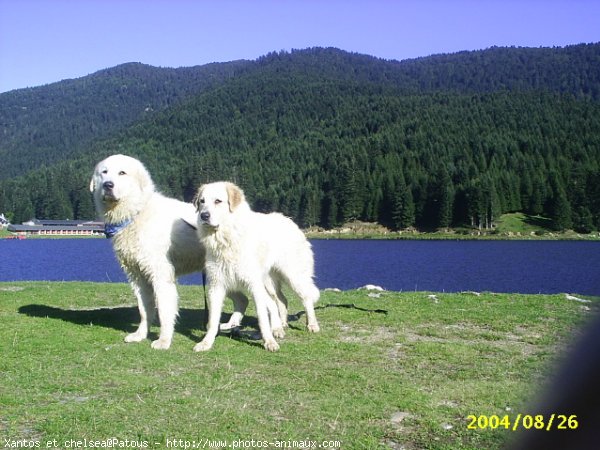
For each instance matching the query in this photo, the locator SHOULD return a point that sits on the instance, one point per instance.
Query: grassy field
(400, 371)
(523, 224)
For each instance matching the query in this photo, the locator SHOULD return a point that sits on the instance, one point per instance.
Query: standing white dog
(152, 242)
(254, 252)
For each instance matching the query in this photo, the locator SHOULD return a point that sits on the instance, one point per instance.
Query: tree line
(303, 136)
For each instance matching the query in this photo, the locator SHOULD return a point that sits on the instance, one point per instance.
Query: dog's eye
(217, 201)
(122, 172)
(202, 201)
(105, 171)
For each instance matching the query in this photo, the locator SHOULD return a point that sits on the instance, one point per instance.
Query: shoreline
(391, 236)
(516, 231)
(453, 235)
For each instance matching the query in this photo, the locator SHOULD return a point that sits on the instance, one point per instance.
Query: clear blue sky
(43, 41)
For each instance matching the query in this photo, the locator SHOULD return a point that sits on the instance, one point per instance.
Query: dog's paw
(134, 337)
(161, 344)
(313, 327)
(271, 345)
(202, 346)
(228, 326)
(279, 333)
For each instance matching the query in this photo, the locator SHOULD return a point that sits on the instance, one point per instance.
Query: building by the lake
(58, 228)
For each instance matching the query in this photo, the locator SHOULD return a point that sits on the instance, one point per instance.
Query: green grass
(400, 371)
(523, 224)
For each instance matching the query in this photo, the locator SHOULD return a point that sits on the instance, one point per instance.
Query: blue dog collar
(110, 229)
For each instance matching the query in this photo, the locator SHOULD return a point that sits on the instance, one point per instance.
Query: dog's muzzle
(205, 219)
(107, 190)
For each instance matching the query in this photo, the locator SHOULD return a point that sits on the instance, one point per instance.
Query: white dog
(152, 242)
(254, 252)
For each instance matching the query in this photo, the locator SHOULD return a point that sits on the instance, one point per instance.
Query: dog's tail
(306, 289)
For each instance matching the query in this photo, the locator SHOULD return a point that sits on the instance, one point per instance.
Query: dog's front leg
(216, 296)
(145, 299)
(167, 303)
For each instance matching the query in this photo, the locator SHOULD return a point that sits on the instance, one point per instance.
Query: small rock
(393, 445)
(449, 404)
(373, 295)
(478, 294)
(372, 287)
(577, 299)
(399, 416)
(332, 290)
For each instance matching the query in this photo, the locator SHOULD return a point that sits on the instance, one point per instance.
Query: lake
(443, 266)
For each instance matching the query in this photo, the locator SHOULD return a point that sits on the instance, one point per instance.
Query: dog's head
(120, 180)
(215, 202)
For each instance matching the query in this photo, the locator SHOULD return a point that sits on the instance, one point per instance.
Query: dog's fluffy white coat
(254, 252)
(155, 248)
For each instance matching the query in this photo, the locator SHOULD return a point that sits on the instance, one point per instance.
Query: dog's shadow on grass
(191, 322)
(126, 319)
(119, 318)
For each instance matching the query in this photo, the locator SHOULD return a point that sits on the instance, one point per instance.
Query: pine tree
(308, 208)
(559, 206)
(349, 198)
(440, 200)
(581, 216)
(446, 199)
(583, 221)
(560, 212)
(403, 212)
(593, 197)
(475, 204)
(330, 210)
(537, 199)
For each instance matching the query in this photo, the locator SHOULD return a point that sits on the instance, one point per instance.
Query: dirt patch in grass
(360, 335)
(12, 288)
(464, 333)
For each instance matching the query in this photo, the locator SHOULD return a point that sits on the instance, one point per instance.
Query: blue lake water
(444, 266)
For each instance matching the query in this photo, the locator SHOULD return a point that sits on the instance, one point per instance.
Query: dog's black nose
(108, 185)
(205, 215)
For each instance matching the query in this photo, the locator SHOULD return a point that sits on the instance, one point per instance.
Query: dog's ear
(93, 180)
(197, 197)
(144, 179)
(235, 196)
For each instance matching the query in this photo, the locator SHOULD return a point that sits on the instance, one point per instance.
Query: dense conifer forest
(327, 136)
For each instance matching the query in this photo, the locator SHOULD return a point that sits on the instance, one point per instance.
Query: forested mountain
(52, 123)
(327, 136)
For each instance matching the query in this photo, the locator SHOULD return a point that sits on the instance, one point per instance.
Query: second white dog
(247, 250)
